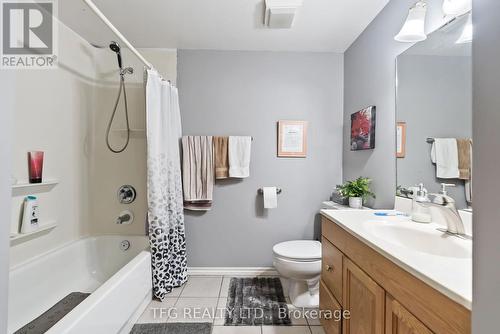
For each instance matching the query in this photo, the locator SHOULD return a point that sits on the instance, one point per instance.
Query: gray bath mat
(172, 328)
(256, 301)
(54, 314)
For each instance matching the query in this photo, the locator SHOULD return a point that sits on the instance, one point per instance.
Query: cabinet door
(365, 301)
(327, 303)
(400, 321)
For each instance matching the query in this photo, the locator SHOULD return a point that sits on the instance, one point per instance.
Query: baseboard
(232, 271)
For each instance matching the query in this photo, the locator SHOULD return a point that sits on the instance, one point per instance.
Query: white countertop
(445, 264)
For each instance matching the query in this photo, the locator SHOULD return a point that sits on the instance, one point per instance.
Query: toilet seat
(298, 250)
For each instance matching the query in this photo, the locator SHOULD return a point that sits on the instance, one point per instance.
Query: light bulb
(456, 7)
(467, 33)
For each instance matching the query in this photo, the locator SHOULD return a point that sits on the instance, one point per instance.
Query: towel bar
(261, 191)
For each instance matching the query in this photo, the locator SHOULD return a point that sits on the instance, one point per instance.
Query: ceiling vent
(280, 14)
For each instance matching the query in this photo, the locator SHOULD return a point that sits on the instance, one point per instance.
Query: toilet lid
(299, 249)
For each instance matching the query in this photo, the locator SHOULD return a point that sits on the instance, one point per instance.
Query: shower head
(115, 47)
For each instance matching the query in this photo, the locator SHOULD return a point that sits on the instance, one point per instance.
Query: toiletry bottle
(419, 212)
(30, 215)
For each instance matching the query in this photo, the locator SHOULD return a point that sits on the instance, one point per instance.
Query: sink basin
(421, 238)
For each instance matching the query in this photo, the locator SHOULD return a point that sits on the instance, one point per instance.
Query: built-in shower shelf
(43, 229)
(21, 188)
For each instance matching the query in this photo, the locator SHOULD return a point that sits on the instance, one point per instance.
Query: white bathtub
(119, 282)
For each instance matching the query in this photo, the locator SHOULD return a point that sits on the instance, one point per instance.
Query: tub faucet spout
(123, 219)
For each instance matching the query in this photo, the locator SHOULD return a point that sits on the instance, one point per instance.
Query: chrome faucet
(446, 205)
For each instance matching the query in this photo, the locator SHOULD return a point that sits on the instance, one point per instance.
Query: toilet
(299, 262)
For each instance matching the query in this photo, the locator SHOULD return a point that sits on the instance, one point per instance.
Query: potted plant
(356, 190)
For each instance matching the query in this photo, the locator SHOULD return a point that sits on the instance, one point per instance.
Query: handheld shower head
(115, 47)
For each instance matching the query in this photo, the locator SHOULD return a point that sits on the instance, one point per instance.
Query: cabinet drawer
(331, 271)
(331, 325)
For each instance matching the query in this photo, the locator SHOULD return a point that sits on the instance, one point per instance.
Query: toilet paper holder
(260, 191)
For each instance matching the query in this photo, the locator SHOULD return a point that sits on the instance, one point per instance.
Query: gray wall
(486, 80)
(7, 80)
(369, 73)
(246, 93)
(435, 100)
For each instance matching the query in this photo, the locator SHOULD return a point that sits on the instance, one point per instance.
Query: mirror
(434, 109)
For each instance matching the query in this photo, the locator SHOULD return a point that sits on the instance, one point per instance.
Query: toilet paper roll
(270, 197)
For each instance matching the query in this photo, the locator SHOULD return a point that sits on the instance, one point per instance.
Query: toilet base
(304, 293)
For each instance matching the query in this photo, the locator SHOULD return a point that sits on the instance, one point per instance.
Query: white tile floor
(207, 295)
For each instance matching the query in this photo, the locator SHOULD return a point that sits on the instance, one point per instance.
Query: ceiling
(320, 25)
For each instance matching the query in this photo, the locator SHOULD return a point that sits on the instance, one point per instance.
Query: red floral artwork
(363, 129)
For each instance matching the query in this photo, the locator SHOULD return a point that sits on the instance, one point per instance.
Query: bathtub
(119, 282)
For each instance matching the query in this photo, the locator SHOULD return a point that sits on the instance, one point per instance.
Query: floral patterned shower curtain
(165, 203)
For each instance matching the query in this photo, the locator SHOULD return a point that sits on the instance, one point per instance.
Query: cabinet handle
(329, 268)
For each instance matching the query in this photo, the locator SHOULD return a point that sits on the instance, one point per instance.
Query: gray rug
(172, 328)
(49, 318)
(256, 301)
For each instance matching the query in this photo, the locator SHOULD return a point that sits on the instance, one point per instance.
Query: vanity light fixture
(456, 7)
(467, 33)
(414, 27)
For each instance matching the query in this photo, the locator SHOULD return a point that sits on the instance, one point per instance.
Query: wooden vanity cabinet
(380, 296)
(400, 321)
(364, 299)
(327, 301)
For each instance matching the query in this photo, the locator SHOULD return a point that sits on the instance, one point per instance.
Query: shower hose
(108, 130)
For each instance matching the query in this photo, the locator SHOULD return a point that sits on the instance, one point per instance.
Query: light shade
(456, 7)
(467, 33)
(414, 28)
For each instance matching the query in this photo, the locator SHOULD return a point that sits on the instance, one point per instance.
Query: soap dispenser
(420, 213)
(30, 215)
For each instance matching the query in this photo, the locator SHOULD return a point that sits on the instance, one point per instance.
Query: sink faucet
(446, 205)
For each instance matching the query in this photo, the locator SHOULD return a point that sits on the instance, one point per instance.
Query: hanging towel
(464, 158)
(239, 156)
(221, 157)
(198, 172)
(444, 154)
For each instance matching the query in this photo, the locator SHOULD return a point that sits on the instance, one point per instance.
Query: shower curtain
(165, 206)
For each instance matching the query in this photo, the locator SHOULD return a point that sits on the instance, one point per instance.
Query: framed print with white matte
(400, 139)
(292, 139)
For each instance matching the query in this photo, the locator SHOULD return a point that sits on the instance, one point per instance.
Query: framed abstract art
(363, 129)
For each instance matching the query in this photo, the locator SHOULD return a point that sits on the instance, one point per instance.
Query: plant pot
(356, 202)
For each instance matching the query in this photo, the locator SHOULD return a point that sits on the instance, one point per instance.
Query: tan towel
(464, 158)
(197, 172)
(221, 157)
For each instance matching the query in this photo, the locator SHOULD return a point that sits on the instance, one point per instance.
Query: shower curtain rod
(107, 22)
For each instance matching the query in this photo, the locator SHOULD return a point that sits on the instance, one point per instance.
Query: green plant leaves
(356, 188)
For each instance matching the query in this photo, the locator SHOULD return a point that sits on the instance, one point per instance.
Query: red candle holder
(35, 163)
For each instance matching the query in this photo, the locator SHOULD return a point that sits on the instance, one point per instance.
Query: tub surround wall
(108, 171)
(7, 87)
(486, 118)
(370, 72)
(54, 119)
(246, 93)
